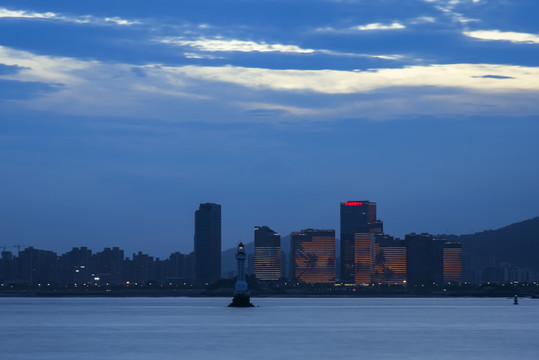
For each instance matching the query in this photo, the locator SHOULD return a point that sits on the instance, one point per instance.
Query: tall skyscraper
(312, 256)
(267, 254)
(208, 243)
(358, 224)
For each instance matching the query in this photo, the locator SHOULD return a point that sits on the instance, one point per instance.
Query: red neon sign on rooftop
(353, 203)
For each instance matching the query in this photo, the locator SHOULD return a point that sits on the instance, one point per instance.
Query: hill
(517, 244)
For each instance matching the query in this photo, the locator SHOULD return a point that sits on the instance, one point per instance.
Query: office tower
(424, 260)
(363, 257)
(208, 243)
(389, 260)
(312, 256)
(267, 254)
(357, 217)
(452, 262)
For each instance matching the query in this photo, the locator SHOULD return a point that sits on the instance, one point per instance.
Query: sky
(117, 118)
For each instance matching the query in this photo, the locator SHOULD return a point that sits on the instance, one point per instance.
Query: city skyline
(117, 120)
(369, 257)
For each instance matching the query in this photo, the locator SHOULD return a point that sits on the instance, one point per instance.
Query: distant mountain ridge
(517, 244)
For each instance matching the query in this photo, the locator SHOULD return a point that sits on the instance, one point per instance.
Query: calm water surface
(204, 328)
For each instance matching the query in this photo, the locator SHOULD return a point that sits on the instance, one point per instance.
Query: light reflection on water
(312, 328)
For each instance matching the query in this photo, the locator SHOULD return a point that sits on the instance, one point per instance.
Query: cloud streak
(157, 91)
(361, 28)
(496, 35)
(468, 76)
(223, 45)
(206, 45)
(379, 26)
(86, 19)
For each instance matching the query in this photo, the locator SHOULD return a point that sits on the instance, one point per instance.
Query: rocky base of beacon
(241, 301)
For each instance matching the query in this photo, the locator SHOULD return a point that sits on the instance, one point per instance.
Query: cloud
(217, 45)
(93, 88)
(86, 19)
(379, 26)
(367, 27)
(5, 13)
(467, 76)
(233, 45)
(496, 35)
(447, 7)
(423, 20)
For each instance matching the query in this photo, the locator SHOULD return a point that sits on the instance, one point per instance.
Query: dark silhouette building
(358, 226)
(267, 254)
(424, 260)
(312, 256)
(76, 266)
(109, 265)
(208, 243)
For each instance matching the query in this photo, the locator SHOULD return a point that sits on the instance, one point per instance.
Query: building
(452, 262)
(358, 225)
(267, 254)
(108, 265)
(208, 243)
(424, 260)
(389, 261)
(312, 256)
(363, 257)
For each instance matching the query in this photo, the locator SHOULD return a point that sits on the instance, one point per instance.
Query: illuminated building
(358, 224)
(267, 254)
(208, 243)
(312, 256)
(424, 260)
(452, 262)
(389, 261)
(363, 257)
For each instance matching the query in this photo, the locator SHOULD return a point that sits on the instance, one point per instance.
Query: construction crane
(18, 246)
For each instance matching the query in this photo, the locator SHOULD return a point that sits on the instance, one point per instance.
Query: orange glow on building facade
(390, 262)
(313, 256)
(363, 258)
(452, 262)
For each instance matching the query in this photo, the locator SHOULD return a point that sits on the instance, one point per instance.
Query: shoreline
(205, 294)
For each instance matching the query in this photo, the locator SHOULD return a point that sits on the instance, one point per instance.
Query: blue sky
(118, 118)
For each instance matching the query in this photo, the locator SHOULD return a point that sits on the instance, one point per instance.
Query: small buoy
(515, 302)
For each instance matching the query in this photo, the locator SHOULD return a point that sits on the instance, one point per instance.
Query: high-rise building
(424, 260)
(208, 243)
(452, 262)
(358, 224)
(312, 256)
(389, 260)
(363, 257)
(267, 254)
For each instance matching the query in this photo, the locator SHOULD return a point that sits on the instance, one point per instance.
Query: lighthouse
(242, 296)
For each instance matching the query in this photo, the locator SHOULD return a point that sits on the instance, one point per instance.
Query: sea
(277, 328)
